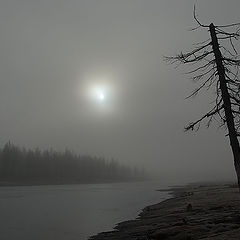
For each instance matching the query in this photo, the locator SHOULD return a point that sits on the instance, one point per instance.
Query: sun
(101, 96)
(99, 92)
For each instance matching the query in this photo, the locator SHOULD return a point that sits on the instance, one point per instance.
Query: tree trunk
(226, 102)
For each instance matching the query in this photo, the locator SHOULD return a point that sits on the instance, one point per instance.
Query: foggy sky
(50, 50)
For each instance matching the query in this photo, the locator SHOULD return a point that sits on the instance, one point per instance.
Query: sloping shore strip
(209, 212)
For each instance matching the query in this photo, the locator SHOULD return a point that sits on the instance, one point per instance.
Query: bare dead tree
(215, 64)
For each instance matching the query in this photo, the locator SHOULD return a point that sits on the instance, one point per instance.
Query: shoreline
(58, 183)
(195, 211)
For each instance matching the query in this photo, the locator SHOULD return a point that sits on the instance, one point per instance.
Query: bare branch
(233, 46)
(236, 62)
(228, 25)
(196, 19)
(196, 91)
(212, 112)
(205, 66)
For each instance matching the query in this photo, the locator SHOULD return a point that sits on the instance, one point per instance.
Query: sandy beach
(208, 211)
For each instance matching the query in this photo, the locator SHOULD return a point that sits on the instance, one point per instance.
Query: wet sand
(209, 212)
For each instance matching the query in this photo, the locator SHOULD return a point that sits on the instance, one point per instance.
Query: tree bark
(226, 102)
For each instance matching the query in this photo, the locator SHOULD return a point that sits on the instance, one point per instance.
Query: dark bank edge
(195, 211)
(173, 192)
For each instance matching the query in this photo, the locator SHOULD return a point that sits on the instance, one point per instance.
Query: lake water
(71, 212)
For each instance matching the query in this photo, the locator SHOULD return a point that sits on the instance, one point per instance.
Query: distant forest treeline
(21, 166)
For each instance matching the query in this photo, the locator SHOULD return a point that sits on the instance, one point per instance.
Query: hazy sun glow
(101, 96)
(99, 93)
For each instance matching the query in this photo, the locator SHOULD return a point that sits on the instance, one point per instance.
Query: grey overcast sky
(55, 53)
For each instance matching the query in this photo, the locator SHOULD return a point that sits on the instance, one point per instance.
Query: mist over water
(89, 76)
(71, 212)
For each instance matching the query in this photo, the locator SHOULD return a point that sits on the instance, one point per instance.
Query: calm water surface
(71, 212)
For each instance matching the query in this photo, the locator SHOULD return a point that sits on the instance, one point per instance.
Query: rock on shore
(209, 212)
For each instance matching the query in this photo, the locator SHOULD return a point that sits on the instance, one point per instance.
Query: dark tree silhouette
(215, 65)
(21, 166)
